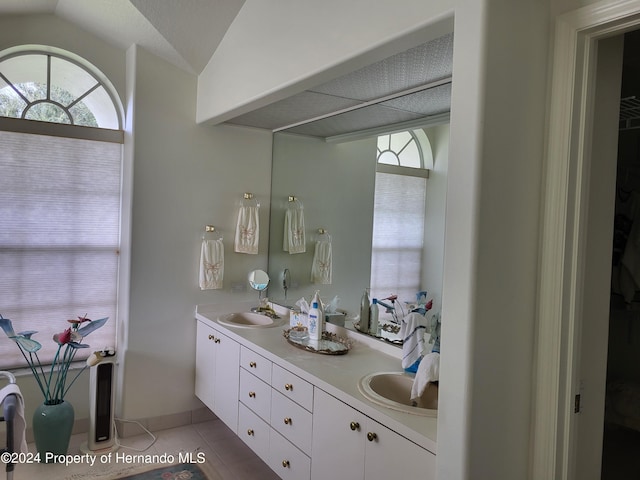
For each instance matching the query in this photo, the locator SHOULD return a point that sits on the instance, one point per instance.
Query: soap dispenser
(315, 323)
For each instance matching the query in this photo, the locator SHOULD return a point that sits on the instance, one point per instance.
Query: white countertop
(337, 375)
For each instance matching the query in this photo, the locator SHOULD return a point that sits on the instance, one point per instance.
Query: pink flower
(79, 320)
(63, 337)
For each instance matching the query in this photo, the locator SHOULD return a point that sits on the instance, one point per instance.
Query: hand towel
(321, 267)
(294, 240)
(19, 424)
(211, 264)
(412, 334)
(428, 371)
(247, 230)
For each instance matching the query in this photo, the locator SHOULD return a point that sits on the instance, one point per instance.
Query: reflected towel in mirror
(211, 264)
(321, 267)
(294, 240)
(247, 230)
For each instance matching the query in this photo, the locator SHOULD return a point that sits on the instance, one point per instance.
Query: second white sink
(249, 320)
(393, 390)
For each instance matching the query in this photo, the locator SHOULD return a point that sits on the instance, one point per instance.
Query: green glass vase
(52, 426)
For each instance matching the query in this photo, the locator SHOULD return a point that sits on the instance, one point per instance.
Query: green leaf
(27, 344)
(6, 325)
(77, 345)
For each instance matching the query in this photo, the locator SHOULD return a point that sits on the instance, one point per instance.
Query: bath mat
(182, 471)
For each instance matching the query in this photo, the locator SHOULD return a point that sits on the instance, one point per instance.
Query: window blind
(59, 238)
(398, 236)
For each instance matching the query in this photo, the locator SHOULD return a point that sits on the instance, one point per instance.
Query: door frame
(564, 216)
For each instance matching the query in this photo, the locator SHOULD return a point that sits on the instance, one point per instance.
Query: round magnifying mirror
(259, 280)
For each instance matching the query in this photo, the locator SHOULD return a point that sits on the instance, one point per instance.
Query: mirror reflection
(385, 219)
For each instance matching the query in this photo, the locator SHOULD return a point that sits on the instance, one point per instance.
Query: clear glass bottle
(364, 311)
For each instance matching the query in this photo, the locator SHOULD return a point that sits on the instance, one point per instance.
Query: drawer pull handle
(216, 340)
(285, 463)
(252, 394)
(354, 426)
(372, 436)
(287, 421)
(250, 432)
(252, 364)
(288, 387)
(211, 337)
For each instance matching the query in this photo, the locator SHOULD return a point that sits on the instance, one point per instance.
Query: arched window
(60, 197)
(399, 213)
(49, 87)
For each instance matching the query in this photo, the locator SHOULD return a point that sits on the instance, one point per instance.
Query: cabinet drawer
(254, 432)
(286, 460)
(255, 394)
(292, 421)
(256, 364)
(293, 387)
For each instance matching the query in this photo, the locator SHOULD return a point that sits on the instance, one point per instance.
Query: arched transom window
(47, 87)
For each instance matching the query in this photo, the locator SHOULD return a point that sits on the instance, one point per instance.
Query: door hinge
(576, 404)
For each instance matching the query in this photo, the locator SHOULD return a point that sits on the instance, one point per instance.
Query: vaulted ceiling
(184, 33)
(406, 87)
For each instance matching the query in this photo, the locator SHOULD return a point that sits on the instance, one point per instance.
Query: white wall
(184, 177)
(253, 64)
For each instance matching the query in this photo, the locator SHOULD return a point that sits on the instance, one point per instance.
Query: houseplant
(53, 419)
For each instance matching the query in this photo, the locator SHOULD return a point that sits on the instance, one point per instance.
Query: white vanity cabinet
(290, 421)
(353, 446)
(275, 418)
(217, 373)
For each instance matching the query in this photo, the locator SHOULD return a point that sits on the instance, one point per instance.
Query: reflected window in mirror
(403, 159)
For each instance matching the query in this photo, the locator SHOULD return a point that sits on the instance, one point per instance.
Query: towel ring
(249, 200)
(295, 200)
(210, 230)
(323, 234)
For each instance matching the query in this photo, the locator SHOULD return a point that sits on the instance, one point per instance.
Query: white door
(591, 379)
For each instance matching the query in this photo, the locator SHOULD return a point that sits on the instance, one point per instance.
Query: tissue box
(298, 318)
(335, 318)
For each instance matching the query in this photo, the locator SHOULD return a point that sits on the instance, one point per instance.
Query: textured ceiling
(346, 101)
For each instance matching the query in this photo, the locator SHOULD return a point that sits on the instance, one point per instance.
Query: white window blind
(59, 238)
(398, 236)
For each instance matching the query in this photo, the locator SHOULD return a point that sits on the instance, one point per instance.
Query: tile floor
(226, 456)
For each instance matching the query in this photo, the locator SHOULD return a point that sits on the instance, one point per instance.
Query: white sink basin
(249, 320)
(393, 390)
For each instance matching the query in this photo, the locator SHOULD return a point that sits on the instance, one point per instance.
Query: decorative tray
(331, 344)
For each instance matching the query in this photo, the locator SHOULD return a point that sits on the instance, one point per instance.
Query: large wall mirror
(335, 184)
(324, 160)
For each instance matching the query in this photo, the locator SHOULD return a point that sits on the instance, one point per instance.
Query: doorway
(568, 410)
(621, 432)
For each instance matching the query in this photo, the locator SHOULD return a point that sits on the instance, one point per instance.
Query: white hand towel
(412, 334)
(321, 267)
(294, 240)
(19, 424)
(211, 264)
(247, 230)
(428, 371)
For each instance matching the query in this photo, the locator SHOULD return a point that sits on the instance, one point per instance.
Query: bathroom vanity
(302, 412)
